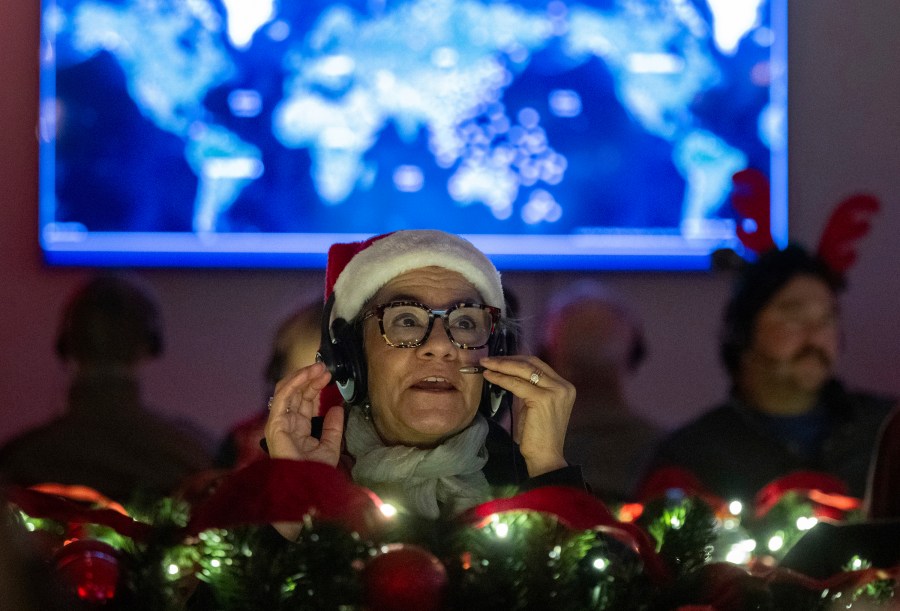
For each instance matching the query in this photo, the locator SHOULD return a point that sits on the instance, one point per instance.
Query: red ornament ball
(403, 578)
(89, 569)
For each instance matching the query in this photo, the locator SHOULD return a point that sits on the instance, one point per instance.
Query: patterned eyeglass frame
(432, 315)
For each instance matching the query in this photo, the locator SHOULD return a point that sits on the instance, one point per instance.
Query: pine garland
(521, 560)
(254, 567)
(684, 530)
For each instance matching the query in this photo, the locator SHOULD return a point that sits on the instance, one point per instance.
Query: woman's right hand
(291, 410)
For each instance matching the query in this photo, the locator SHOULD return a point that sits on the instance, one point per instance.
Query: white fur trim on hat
(407, 250)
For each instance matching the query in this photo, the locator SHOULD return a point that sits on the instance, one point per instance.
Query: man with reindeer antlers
(780, 339)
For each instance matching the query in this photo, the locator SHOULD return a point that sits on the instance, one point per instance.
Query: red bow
(39, 504)
(282, 490)
(826, 492)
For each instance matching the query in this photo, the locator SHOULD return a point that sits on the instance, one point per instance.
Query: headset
(340, 349)
(342, 353)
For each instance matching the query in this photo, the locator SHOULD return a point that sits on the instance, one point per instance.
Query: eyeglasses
(407, 324)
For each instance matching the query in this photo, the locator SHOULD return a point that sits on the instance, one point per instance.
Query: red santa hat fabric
(357, 270)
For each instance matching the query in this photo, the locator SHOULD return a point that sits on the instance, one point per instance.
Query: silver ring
(269, 404)
(536, 377)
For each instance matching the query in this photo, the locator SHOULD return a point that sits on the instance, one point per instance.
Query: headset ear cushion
(335, 351)
(349, 362)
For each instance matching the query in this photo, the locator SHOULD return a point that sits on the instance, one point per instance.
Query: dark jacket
(884, 483)
(506, 465)
(734, 452)
(108, 441)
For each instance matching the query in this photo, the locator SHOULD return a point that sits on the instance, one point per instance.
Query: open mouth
(434, 384)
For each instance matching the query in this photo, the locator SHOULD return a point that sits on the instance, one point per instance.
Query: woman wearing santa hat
(416, 338)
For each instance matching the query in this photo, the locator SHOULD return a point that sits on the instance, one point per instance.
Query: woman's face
(418, 395)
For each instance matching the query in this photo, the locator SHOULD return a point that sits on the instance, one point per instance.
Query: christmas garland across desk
(550, 548)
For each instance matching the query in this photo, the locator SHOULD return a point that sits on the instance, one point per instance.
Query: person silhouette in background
(787, 411)
(593, 338)
(107, 439)
(295, 345)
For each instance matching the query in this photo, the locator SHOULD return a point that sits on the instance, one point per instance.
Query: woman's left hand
(547, 401)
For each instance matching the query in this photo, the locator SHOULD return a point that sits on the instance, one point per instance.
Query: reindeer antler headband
(758, 281)
(848, 223)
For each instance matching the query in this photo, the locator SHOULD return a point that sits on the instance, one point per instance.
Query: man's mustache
(816, 352)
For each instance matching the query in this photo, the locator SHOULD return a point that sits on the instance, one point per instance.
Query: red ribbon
(827, 493)
(658, 484)
(578, 510)
(52, 507)
(270, 490)
(282, 490)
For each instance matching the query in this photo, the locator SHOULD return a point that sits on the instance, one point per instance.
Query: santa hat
(357, 270)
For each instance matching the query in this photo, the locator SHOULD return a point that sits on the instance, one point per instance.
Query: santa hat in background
(357, 270)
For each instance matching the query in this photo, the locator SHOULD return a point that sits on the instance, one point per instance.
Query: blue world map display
(558, 134)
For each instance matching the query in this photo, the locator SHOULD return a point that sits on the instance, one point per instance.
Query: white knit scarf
(447, 476)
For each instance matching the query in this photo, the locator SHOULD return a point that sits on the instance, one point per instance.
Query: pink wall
(844, 134)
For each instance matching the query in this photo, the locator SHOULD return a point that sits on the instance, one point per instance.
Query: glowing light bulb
(737, 556)
(388, 510)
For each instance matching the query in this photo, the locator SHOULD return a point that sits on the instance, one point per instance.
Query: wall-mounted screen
(593, 134)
